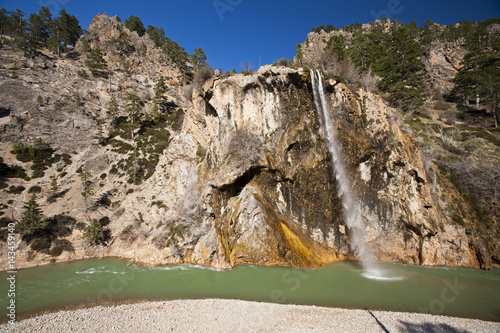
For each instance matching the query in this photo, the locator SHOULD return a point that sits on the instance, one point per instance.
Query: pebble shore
(216, 315)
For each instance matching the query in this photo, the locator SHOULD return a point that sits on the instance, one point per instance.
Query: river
(457, 292)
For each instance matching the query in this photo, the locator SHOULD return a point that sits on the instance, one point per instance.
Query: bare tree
(247, 68)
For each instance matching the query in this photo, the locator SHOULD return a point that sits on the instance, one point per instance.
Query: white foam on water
(380, 275)
(95, 270)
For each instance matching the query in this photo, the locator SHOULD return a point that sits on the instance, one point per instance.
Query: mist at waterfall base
(349, 202)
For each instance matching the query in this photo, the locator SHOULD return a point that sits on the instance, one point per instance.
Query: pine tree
(133, 23)
(299, 56)
(479, 77)
(65, 30)
(17, 23)
(36, 34)
(54, 189)
(468, 78)
(94, 233)
(156, 35)
(402, 69)
(336, 44)
(32, 219)
(112, 108)
(87, 189)
(5, 22)
(39, 25)
(133, 107)
(178, 55)
(160, 99)
(489, 87)
(198, 58)
(71, 29)
(96, 62)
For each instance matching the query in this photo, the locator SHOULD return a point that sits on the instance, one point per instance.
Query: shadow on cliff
(428, 328)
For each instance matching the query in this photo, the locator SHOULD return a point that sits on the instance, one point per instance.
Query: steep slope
(236, 171)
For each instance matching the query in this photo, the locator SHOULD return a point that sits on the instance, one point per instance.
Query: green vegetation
(39, 30)
(83, 74)
(198, 58)
(141, 138)
(479, 77)
(402, 69)
(53, 190)
(133, 23)
(394, 56)
(32, 220)
(185, 62)
(35, 189)
(326, 28)
(42, 156)
(122, 44)
(59, 246)
(14, 171)
(43, 30)
(160, 100)
(201, 152)
(95, 233)
(96, 63)
(87, 189)
(157, 35)
(281, 62)
(16, 189)
(47, 231)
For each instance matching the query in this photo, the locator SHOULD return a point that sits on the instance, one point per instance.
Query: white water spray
(349, 202)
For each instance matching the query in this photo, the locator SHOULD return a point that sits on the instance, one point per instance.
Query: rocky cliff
(441, 59)
(243, 176)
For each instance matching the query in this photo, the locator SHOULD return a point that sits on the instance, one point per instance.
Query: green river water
(449, 291)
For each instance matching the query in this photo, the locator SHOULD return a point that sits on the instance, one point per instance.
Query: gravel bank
(214, 315)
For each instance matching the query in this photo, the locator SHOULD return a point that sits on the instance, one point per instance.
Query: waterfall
(349, 201)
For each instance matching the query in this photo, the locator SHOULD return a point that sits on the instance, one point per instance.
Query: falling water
(349, 201)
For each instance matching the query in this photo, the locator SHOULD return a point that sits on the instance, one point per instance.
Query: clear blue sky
(235, 31)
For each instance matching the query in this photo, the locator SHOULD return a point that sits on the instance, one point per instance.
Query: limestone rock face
(139, 57)
(246, 179)
(442, 63)
(263, 191)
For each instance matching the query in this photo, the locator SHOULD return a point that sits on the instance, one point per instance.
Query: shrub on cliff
(59, 246)
(133, 23)
(94, 233)
(32, 218)
(95, 62)
(244, 147)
